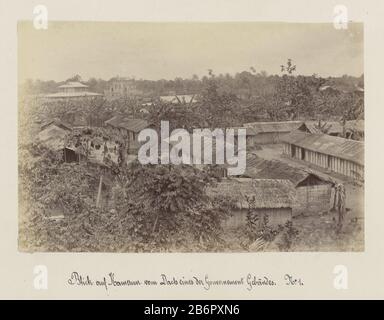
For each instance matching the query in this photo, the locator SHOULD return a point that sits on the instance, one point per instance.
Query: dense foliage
(149, 208)
(247, 96)
(162, 207)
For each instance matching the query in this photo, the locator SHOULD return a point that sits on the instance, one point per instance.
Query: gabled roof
(135, 125)
(347, 149)
(53, 136)
(282, 126)
(57, 123)
(267, 193)
(258, 168)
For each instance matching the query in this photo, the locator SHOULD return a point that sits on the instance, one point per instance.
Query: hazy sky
(169, 50)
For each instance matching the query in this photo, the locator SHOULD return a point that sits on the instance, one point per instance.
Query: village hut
(271, 197)
(52, 135)
(313, 192)
(269, 132)
(128, 127)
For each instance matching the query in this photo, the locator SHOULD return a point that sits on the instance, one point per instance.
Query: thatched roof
(53, 134)
(268, 193)
(282, 126)
(135, 125)
(258, 168)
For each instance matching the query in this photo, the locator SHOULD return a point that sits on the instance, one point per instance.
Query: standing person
(339, 204)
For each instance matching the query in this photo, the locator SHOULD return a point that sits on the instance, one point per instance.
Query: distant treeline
(246, 84)
(229, 100)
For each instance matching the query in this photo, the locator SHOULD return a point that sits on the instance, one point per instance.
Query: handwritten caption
(249, 282)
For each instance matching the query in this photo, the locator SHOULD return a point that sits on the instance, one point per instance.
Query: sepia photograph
(159, 137)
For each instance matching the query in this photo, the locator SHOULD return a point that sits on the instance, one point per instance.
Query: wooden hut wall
(237, 219)
(287, 149)
(312, 199)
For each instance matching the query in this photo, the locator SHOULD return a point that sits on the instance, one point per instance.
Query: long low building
(269, 132)
(271, 197)
(343, 156)
(313, 192)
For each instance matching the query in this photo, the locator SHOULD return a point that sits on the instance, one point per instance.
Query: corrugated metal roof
(268, 193)
(135, 125)
(339, 147)
(282, 126)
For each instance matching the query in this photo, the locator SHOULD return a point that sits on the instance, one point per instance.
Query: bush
(288, 235)
(259, 231)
